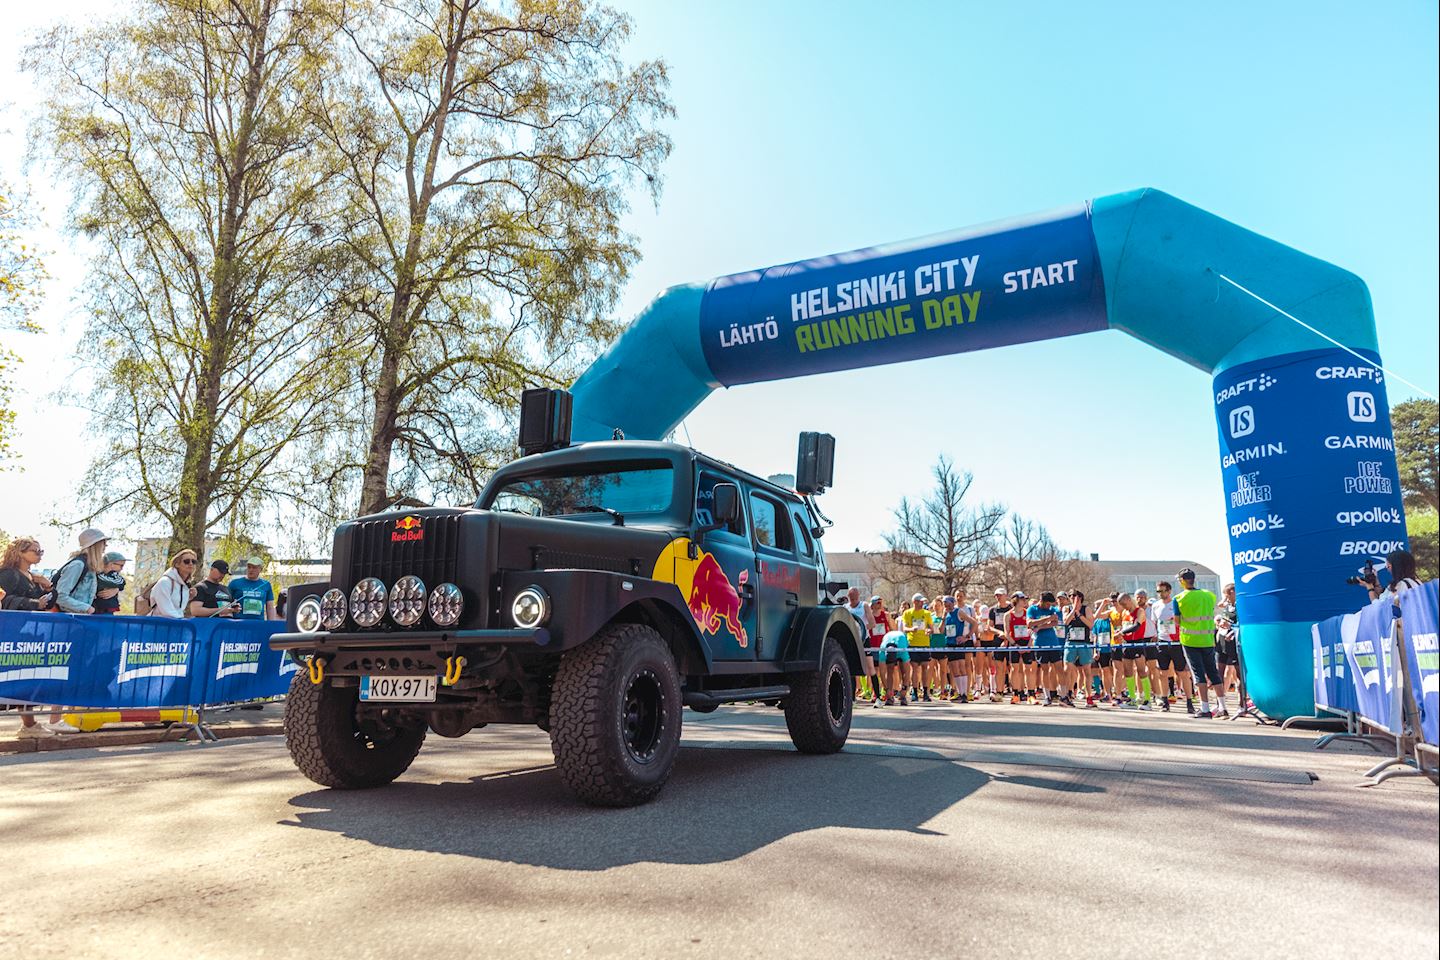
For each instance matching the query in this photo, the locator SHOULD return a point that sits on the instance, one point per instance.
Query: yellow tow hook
(453, 666)
(316, 666)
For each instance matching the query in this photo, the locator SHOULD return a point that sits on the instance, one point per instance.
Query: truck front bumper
(325, 642)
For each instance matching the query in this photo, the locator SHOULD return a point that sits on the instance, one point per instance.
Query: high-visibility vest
(1197, 617)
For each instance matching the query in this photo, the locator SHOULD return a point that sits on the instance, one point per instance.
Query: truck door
(784, 580)
(721, 580)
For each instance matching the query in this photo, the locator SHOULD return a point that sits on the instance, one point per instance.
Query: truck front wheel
(818, 709)
(336, 747)
(615, 716)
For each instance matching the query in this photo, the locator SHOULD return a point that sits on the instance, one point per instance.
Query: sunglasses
(188, 563)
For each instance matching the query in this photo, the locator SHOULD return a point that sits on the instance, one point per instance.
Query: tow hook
(453, 666)
(316, 668)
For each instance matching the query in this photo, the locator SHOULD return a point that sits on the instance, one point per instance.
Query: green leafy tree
(1417, 451)
(185, 129)
(489, 149)
(21, 274)
(1423, 528)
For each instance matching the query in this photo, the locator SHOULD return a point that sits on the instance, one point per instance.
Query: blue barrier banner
(1333, 687)
(1374, 672)
(1418, 608)
(1311, 485)
(119, 661)
(1032, 279)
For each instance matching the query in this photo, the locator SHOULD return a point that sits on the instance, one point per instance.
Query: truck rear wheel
(615, 716)
(333, 746)
(818, 709)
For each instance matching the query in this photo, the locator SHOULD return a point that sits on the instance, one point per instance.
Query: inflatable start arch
(1306, 451)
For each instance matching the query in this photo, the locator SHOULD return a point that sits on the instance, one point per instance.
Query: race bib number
(1022, 633)
(1077, 634)
(950, 630)
(252, 607)
(878, 630)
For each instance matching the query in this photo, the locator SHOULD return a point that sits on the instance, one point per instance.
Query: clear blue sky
(812, 128)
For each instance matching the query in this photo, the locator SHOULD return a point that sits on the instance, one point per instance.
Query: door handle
(792, 599)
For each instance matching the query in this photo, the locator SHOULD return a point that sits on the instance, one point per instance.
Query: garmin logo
(1353, 518)
(1359, 442)
(1369, 478)
(1349, 373)
(1248, 454)
(1249, 491)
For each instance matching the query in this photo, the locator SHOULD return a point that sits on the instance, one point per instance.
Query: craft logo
(1271, 521)
(1353, 518)
(1359, 441)
(1258, 384)
(407, 529)
(1249, 490)
(1242, 421)
(1369, 478)
(154, 659)
(1349, 373)
(34, 660)
(1258, 452)
(236, 657)
(1361, 406)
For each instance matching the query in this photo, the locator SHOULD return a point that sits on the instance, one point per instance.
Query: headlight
(446, 605)
(332, 609)
(367, 602)
(307, 615)
(407, 601)
(531, 608)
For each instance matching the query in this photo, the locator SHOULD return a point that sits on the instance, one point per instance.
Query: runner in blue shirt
(1043, 618)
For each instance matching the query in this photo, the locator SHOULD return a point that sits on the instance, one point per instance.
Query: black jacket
(20, 591)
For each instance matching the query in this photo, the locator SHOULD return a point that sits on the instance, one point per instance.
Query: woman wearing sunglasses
(171, 594)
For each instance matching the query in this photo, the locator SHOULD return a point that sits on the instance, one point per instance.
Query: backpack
(54, 607)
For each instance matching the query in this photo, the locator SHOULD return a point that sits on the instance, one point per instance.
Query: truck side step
(713, 698)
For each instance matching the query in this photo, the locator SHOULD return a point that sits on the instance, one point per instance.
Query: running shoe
(1224, 713)
(904, 701)
(1165, 704)
(1030, 699)
(1015, 698)
(890, 701)
(1089, 701)
(1204, 715)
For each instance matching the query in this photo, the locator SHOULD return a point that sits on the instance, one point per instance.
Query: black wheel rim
(642, 720)
(837, 695)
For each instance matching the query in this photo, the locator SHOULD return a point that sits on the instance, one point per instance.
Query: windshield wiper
(615, 515)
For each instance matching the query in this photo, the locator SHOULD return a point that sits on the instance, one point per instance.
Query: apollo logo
(1271, 521)
(1353, 518)
(1369, 548)
(1260, 555)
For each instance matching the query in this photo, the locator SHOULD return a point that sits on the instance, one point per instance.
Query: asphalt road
(941, 831)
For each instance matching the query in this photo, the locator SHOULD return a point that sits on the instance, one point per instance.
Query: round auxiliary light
(407, 601)
(531, 607)
(367, 602)
(307, 615)
(332, 609)
(446, 605)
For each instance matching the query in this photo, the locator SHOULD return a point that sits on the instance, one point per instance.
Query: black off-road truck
(593, 590)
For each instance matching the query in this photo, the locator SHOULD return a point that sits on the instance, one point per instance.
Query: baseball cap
(918, 596)
(254, 562)
(91, 536)
(220, 565)
(875, 599)
(948, 599)
(114, 556)
(1019, 595)
(1000, 591)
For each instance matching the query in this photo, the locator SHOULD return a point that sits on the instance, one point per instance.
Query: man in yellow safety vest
(1196, 612)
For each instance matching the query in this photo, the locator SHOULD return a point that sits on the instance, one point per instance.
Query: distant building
(1129, 576)
(885, 573)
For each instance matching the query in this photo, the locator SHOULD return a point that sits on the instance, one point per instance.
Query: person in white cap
(75, 582)
(256, 596)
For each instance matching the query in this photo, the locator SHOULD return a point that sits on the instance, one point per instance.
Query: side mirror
(726, 506)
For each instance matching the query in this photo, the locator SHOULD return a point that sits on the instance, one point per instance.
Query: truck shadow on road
(720, 804)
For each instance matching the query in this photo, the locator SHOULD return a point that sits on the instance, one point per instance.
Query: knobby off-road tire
(818, 709)
(615, 715)
(330, 746)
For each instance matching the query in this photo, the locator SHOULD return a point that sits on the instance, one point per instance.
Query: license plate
(402, 689)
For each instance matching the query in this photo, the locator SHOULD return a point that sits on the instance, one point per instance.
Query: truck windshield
(634, 490)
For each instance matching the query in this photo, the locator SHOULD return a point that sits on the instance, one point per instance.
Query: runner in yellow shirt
(918, 623)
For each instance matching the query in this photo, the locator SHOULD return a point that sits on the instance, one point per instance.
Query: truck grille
(548, 559)
(432, 559)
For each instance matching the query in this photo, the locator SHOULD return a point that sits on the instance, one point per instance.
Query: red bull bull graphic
(713, 600)
(408, 529)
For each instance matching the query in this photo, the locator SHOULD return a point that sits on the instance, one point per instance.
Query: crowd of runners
(1137, 651)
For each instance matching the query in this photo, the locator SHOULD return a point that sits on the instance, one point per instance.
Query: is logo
(1375, 549)
(1242, 421)
(1353, 518)
(1271, 521)
(1369, 478)
(1361, 406)
(407, 530)
(1249, 490)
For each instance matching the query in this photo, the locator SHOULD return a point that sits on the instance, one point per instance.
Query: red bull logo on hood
(713, 600)
(407, 529)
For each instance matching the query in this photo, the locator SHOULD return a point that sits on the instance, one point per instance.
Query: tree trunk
(375, 480)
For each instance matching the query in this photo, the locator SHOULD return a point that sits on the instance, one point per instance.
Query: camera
(1367, 578)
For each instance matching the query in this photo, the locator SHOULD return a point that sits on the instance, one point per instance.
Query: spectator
(1401, 564)
(24, 589)
(172, 593)
(1197, 636)
(109, 582)
(212, 597)
(75, 582)
(256, 596)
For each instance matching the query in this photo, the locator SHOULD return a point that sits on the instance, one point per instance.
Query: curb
(125, 738)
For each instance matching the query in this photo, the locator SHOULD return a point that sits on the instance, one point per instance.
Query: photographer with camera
(1368, 579)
